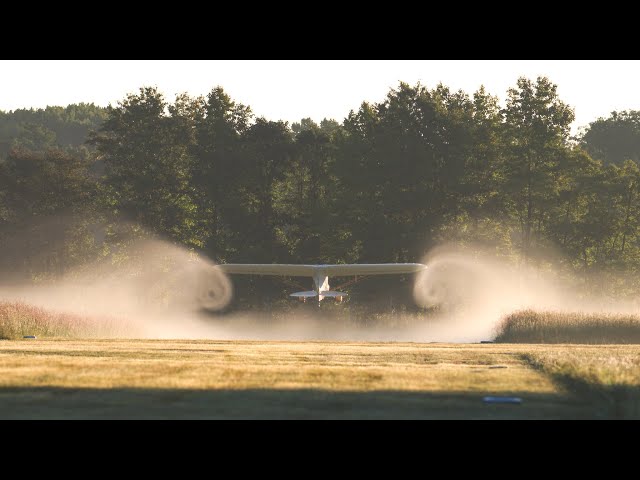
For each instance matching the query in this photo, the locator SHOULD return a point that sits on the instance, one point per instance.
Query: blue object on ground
(512, 400)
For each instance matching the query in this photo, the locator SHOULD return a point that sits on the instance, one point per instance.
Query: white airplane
(321, 273)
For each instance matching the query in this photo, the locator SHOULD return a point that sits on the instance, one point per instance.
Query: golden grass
(18, 319)
(241, 365)
(243, 379)
(530, 326)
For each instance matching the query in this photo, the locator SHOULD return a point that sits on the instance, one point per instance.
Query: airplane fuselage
(321, 282)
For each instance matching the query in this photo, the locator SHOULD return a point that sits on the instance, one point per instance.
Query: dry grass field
(69, 372)
(105, 379)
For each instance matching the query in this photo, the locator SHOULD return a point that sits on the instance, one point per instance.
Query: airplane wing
(340, 270)
(371, 269)
(269, 269)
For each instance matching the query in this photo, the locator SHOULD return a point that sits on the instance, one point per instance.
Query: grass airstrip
(561, 366)
(204, 379)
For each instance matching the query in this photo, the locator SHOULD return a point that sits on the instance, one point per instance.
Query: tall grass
(529, 326)
(18, 319)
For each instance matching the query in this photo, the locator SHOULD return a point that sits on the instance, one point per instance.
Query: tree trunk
(529, 219)
(626, 218)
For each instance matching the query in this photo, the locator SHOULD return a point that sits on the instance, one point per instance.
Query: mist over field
(123, 212)
(163, 291)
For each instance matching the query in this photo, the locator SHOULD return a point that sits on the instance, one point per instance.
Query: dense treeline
(395, 178)
(63, 127)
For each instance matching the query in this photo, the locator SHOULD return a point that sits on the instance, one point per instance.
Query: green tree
(61, 127)
(537, 127)
(266, 156)
(45, 198)
(306, 195)
(148, 166)
(614, 139)
(402, 162)
(218, 170)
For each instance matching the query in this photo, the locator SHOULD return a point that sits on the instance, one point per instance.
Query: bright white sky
(293, 89)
